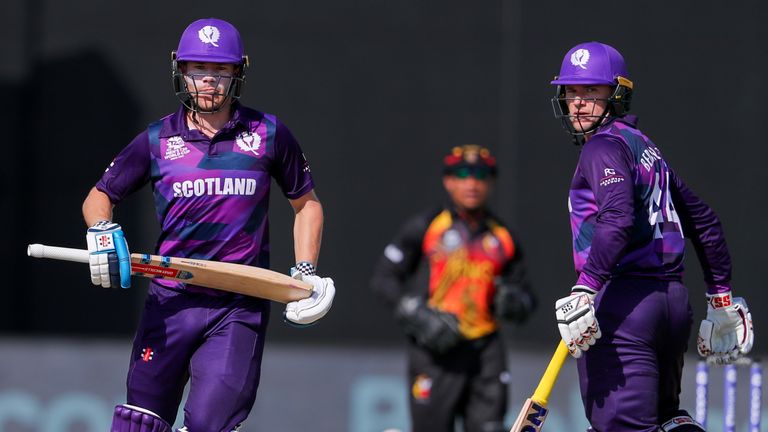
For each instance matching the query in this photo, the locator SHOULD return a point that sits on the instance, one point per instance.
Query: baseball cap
(469, 160)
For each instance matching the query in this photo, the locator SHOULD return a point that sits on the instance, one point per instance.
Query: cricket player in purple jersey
(210, 165)
(627, 319)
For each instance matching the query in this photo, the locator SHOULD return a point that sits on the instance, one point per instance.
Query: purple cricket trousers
(216, 342)
(630, 379)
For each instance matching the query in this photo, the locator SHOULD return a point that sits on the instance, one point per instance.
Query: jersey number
(661, 209)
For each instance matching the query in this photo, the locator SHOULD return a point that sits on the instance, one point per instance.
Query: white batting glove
(576, 320)
(726, 333)
(109, 259)
(307, 311)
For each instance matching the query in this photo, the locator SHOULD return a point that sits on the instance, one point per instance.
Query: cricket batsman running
(627, 319)
(210, 166)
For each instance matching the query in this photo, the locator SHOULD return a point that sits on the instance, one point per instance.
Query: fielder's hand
(307, 311)
(109, 258)
(513, 302)
(435, 330)
(726, 334)
(576, 320)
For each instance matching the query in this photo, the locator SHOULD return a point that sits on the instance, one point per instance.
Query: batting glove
(110, 260)
(306, 311)
(576, 320)
(726, 333)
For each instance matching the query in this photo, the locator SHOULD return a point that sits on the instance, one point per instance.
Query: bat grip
(547, 383)
(59, 253)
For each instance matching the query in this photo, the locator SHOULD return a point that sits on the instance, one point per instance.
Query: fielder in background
(457, 362)
(210, 166)
(628, 319)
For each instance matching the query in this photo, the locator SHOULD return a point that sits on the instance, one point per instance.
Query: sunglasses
(475, 172)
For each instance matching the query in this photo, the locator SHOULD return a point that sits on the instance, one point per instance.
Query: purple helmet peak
(591, 63)
(211, 40)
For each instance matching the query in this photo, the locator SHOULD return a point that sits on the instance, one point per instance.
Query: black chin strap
(579, 138)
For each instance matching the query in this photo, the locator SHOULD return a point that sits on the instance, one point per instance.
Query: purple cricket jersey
(630, 213)
(211, 195)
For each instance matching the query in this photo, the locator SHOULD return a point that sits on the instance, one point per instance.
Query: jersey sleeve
(400, 260)
(291, 172)
(702, 226)
(514, 270)
(607, 167)
(515, 273)
(129, 171)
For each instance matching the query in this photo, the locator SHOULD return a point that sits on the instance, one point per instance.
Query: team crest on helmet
(580, 57)
(175, 148)
(249, 142)
(209, 35)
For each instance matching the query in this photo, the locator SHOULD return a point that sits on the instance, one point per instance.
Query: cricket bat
(534, 412)
(237, 278)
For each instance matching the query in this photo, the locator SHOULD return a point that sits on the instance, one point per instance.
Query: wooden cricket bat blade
(237, 278)
(534, 412)
(531, 417)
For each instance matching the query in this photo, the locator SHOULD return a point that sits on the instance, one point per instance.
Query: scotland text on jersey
(214, 186)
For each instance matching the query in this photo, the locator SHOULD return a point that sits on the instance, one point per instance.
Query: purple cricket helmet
(209, 40)
(592, 63)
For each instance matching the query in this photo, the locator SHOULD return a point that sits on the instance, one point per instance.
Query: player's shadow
(73, 115)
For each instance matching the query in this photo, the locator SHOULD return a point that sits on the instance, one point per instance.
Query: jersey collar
(176, 124)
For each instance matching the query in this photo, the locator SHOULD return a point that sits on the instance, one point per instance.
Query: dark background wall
(376, 92)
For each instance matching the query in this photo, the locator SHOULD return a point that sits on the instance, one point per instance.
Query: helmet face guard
(208, 41)
(617, 105)
(185, 87)
(592, 64)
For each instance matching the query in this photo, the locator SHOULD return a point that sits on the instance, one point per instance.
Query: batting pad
(129, 418)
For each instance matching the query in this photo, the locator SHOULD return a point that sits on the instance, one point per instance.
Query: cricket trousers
(630, 379)
(215, 342)
(470, 382)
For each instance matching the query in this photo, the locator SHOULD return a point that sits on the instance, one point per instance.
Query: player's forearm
(96, 207)
(308, 231)
(388, 280)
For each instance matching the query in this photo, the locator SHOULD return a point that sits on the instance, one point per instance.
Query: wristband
(306, 268)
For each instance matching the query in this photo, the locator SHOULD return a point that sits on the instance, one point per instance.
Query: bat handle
(544, 389)
(60, 253)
